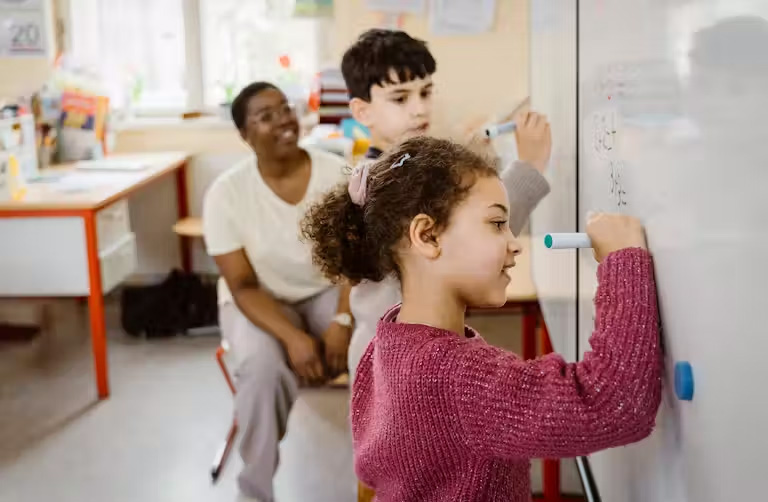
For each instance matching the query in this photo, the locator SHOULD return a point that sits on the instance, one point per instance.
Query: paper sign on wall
(396, 6)
(461, 17)
(23, 28)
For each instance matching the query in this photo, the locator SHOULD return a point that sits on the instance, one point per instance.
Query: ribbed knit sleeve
(513, 409)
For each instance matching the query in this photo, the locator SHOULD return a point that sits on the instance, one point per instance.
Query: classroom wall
(212, 149)
(477, 75)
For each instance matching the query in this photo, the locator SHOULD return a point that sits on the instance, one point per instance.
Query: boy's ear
(423, 236)
(361, 111)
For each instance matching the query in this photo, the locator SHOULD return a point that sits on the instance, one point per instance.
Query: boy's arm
(526, 187)
(524, 180)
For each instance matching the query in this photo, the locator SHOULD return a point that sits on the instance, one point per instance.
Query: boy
(389, 78)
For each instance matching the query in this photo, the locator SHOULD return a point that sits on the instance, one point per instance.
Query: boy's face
(396, 112)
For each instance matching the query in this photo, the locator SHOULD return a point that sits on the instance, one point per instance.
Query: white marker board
(672, 127)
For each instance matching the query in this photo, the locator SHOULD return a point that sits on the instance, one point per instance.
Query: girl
(437, 414)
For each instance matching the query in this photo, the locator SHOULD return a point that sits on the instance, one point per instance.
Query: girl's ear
(423, 236)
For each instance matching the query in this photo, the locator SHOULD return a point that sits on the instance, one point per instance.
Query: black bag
(181, 302)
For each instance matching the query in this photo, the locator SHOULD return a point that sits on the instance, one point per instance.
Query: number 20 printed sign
(22, 29)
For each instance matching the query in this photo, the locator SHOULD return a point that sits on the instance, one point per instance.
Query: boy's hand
(475, 139)
(534, 139)
(613, 232)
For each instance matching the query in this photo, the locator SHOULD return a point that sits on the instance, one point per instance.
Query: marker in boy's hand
(614, 232)
(534, 139)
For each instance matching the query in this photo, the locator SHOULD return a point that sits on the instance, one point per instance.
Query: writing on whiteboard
(617, 189)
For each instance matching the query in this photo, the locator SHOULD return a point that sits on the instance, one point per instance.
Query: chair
(223, 453)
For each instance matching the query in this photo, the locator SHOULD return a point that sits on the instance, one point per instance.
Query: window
(165, 56)
(136, 47)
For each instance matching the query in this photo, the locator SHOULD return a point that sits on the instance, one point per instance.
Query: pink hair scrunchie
(358, 182)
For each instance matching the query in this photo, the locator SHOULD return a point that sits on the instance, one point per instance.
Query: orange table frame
(96, 295)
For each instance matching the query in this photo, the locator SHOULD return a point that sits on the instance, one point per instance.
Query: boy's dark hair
(240, 103)
(359, 242)
(376, 53)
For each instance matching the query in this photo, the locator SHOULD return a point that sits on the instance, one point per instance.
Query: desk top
(64, 187)
(521, 287)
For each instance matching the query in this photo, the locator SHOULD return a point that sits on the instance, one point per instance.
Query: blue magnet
(684, 381)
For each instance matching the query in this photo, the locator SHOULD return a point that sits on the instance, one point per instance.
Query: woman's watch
(343, 319)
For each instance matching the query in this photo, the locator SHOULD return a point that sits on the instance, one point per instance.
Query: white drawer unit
(118, 262)
(44, 257)
(113, 224)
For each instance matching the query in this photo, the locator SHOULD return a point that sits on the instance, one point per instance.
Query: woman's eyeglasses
(272, 115)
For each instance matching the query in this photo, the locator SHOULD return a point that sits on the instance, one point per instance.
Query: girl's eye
(400, 100)
(500, 225)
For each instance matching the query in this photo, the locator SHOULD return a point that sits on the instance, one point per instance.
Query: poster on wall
(461, 17)
(313, 8)
(23, 29)
(396, 6)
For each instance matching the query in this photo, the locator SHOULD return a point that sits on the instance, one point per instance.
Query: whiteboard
(671, 127)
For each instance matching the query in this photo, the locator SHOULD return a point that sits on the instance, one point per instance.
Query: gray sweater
(369, 301)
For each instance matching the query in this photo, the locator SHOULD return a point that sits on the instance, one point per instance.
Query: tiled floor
(154, 440)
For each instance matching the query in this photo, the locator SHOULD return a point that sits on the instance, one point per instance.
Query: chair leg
(223, 454)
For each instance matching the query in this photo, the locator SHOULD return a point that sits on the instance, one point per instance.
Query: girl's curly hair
(359, 242)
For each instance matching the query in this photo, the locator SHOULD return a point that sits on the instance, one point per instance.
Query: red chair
(223, 453)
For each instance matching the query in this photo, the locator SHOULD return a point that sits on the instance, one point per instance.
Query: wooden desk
(59, 236)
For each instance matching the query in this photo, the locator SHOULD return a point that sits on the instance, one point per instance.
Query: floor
(154, 440)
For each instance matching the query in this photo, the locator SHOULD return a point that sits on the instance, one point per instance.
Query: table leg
(96, 307)
(530, 319)
(182, 202)
(551, 467)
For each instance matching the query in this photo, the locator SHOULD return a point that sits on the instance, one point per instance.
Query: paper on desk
(396, 6)
(81, 182)
(114, 164)
(461, 17)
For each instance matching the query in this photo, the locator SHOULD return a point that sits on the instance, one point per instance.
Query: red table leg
(530, 319)
(551, 467)
(96, 307)
(182, 201)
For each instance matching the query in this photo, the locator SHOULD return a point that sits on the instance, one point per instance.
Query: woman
(275, 307)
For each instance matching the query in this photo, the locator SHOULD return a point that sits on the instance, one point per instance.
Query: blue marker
(568, 241)
(496, 130)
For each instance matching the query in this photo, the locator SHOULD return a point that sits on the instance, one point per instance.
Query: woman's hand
(304, 355)
(336, 339)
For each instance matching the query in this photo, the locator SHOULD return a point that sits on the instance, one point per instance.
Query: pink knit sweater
(441, 417)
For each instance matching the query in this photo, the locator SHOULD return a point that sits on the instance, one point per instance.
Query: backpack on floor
(181, 302)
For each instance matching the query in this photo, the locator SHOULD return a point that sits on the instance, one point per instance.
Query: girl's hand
(613, 232)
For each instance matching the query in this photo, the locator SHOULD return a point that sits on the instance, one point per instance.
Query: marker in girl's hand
(498, 129)
(568, 241)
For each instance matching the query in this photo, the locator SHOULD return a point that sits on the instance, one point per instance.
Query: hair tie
(358, 182)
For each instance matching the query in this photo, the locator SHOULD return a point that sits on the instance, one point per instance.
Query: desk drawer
(113, 224)
(118, 262)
